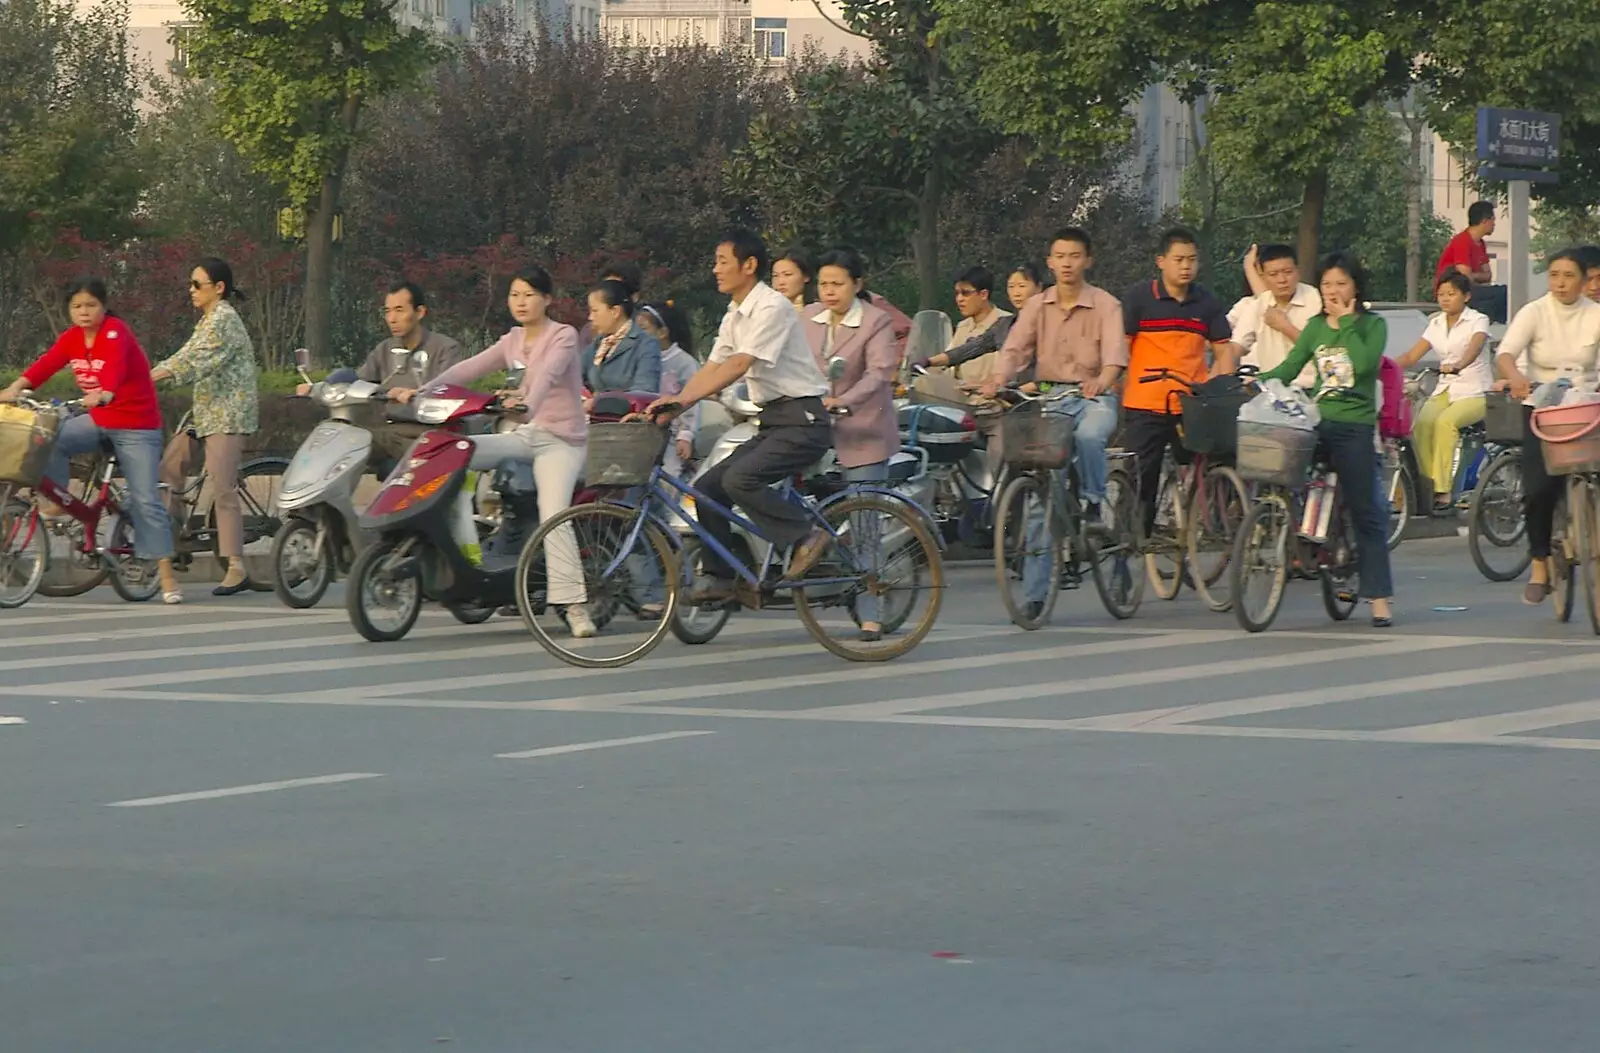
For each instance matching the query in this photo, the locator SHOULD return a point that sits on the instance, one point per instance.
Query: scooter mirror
(302, 358)
(835, 367)
(515, 374)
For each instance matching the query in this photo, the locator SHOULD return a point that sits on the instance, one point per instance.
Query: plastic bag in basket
(1280, 405)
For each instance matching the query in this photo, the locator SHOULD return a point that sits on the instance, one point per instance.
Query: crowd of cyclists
(825, 359)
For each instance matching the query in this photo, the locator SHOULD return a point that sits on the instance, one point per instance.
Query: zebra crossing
(1177, 672)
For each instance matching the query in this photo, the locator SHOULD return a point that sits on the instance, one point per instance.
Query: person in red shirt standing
(1466, 254)
(111, 369)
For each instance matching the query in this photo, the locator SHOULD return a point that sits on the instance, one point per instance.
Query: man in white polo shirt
(763, 342)
(1268, 322)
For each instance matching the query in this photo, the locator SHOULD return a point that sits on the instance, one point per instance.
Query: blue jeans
(1094, 422)
(139, 456)
(866, 533)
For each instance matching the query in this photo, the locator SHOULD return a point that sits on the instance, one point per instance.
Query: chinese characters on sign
(1518, 144)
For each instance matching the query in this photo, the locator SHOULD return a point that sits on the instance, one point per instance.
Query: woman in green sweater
(1346, 344)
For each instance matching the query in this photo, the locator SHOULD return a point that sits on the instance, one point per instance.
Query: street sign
(1502, 174)
(1519, 138)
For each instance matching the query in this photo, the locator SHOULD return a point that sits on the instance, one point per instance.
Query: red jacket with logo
(115, 363)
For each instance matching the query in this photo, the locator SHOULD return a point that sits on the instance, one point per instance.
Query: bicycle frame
(89, 512)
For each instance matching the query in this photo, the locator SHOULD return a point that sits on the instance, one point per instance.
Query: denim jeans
(866, 536)
(139, 457)
(1094, 422)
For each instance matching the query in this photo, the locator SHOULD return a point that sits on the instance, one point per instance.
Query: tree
(67, 115)
(291, 78)
(1285, 83)
(889, 138)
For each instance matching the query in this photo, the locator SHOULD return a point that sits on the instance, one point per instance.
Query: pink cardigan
(552, 388)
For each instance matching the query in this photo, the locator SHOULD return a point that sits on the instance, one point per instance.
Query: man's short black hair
(978, 277)
(1591, 257)
(1276, 251)
(1480, 211)
(746, 245)
(627, 272)
(1176, 236)
(418, 299)
(1077, 234)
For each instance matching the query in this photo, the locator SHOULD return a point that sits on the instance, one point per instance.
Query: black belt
(804, 412)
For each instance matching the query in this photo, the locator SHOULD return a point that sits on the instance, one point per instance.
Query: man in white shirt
(1268, 322)
(761, 341)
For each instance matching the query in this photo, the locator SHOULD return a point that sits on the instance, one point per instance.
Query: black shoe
(231, 590)
(1031, 611)
(1381, 622)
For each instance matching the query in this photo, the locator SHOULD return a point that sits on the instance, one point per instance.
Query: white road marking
(240, 791)
(29, 643)
(602, 744)
(13, 720)
(1474, 728)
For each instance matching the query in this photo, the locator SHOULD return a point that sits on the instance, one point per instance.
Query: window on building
(772, 39)
(180, 37)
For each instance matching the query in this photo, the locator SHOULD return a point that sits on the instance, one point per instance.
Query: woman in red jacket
(110, 367)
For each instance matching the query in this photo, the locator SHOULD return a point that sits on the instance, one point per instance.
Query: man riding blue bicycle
(762, 342)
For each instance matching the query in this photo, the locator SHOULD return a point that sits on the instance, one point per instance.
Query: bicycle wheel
(300, 574)
(1564, 560)
(258, 501)
(1217, 511)
(1496, 530)
(613, 575)
(1402, 498)
(692, 624)
(1339, 573)
(1166, 552)
(1022, 537)
(1261, 558)
(1116, 548)
(135, 580)
(72, 571)
(917, 570)
(383, 596)
(24, 551)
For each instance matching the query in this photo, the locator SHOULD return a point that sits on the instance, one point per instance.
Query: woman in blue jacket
(623, 356)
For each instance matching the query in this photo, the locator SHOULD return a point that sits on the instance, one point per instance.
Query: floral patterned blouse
(221, 362)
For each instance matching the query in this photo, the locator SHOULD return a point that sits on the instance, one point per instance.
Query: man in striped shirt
(1171, 322)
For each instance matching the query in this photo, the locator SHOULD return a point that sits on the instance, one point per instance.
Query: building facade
(674, 23)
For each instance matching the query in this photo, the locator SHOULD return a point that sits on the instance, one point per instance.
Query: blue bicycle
(620, 554)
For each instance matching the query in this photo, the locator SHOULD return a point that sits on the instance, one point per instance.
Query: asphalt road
(1161, 836)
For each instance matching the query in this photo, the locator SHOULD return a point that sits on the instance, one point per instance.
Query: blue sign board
(1519, 138)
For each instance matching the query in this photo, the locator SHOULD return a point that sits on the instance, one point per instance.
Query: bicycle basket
(1031, 438)
(1270, 453)
(1570, 437)
(26, 439)
(1502, 419)
(623, 454)
(1211, 422)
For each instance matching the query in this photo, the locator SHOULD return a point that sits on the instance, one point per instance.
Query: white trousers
(557, 464)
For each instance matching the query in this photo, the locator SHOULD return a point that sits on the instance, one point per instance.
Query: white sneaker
(580, 624)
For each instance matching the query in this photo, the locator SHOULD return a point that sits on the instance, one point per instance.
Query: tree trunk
(1414, 212)
(319, 243)
(925, 242)
(1316, 192)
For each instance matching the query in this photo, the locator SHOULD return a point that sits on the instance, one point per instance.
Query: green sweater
(1347, 365)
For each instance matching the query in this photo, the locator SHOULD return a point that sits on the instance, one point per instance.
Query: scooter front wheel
(300, 574)
(383, 599)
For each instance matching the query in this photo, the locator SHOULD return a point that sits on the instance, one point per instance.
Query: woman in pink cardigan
(554, 435)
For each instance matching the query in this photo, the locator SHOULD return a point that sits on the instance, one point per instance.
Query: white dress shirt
(1265, 347)
(768, 329)
(1450, 343)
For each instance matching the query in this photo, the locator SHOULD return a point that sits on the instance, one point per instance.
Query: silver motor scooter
(316, 500)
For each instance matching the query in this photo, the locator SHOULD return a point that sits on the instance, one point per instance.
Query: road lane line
(1349, 692)
(602, 744)
(240, 791)
(24, 643)
(1494, 724)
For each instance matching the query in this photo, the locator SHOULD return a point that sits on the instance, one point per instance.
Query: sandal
(1534, 592)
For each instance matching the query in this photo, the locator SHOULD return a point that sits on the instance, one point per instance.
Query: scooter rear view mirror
(835, 367)
(302, 358)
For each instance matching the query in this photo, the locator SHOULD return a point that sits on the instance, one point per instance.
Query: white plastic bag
(1282, 406)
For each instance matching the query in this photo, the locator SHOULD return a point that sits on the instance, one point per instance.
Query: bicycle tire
(134, 579)
(1402, 499)
(1121, 584)
(20, 529)
(622, 518)
(1563, 596)
(1489, 495)
(1167, 585)
(95, 569)
(1338, 598)
(1268, 520)
(1010, 539)
(838, 515)
(1221, 482)
(690, 624)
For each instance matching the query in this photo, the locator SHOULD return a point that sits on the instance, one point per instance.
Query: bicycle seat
(1479, 429)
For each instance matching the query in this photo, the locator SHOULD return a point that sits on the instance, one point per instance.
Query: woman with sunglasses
(221, 363)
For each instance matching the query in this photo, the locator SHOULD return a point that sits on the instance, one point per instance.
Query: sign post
(1519, 147)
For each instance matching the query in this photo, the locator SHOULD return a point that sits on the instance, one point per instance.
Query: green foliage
(290, 76)
(1558, 228)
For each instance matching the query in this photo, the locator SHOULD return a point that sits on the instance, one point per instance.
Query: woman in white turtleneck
(1555, 336)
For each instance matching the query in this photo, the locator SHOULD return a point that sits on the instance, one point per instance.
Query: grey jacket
(392, 366)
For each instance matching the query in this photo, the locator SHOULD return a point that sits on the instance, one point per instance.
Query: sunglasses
(199, 285)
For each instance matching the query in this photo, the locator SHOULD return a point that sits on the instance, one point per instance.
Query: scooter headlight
(340, 468)
(333, 394)
(437, 411)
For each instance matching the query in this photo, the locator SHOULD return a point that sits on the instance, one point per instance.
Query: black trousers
(1350, 454)
(1146, 434)
(1541, 491)
(744, 481)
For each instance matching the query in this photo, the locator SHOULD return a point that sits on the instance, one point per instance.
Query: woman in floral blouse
(221, 363)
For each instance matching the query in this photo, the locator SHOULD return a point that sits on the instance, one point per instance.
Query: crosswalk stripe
(1473, 728)
(183, 628)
